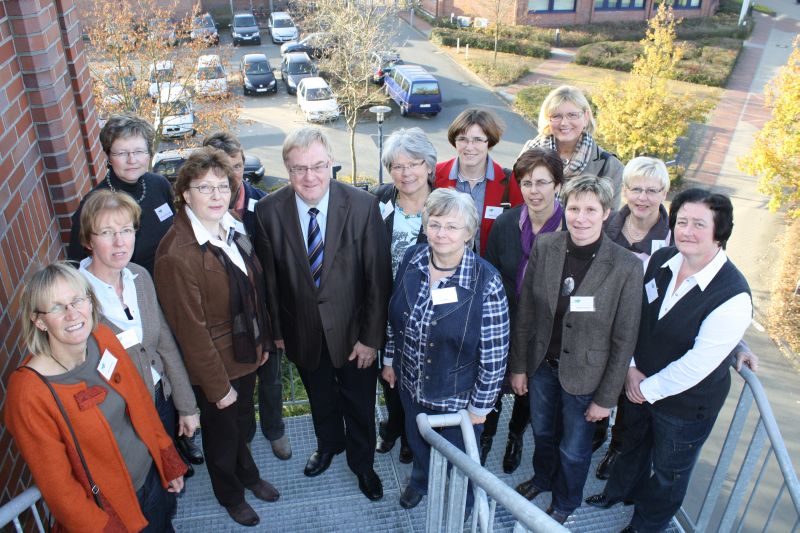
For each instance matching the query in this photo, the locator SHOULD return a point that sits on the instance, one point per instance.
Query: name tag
(581, 304)
(386, 209)
(492, 212)
(128, 338)
(163, 212)
(448, 295)
(656, 245)
(107, 364)
(251, 204)
(651, 290)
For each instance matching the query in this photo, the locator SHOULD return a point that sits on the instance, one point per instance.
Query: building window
(542, 6)
(686, 4)
(618, 4)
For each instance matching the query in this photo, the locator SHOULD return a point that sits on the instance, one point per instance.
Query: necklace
(53, 357)
(141, 180)
(569, 281)
(462, 177)
(441, 269)
(631, 233)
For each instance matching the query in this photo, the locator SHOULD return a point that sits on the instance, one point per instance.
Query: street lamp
(380, 111)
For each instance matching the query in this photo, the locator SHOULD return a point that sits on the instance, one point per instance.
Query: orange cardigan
(42, 436)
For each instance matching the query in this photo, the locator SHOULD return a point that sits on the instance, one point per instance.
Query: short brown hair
(106, 200)
(539, 157)
(199, 163)
(124, 126)
(490, 123)
(225, 141)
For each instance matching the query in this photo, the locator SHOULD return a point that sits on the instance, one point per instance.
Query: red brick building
(49, 155)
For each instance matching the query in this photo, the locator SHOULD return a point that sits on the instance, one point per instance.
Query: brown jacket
(194, 293)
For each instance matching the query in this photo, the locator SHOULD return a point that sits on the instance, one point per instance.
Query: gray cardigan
(606, 165)
(158, 348)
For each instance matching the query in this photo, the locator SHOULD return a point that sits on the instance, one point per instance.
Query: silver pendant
(568, 287)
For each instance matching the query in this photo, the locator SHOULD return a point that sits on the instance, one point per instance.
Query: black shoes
(629, 529)
(190, 451)
(485, 448)
(264, 491)
(604, 468)
(189, 470)
(558, 516)
(410, 498)
(384, 445)
(601, 501)
(528, 489)
(513, 454)
(406, 455)
(243, 514)
(370, 484)
(318, 463)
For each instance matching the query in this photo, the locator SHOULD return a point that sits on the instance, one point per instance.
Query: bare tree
(500, 8)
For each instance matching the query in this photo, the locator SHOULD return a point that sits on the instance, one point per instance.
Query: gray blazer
(607, 167)
(158, 348)
(597, 346)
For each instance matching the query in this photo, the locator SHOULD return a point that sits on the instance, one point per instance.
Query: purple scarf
(527, 237)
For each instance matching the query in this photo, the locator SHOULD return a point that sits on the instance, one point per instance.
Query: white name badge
(386, 209)
(581, 304)
(128, 338)
(156, 376)
(163, 212)
(651, 290)
(107, 364)
(251, 204)
(448, 295)
(492, 212)
(656, 245)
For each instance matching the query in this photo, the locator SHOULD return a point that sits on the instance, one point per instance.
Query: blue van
(414, 90)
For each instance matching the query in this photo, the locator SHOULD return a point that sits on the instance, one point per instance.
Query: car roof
(164, 64)
(208, 59)
(281, 15)
(415, 72)
(314, 82)
(255, 58)
(297, 57)
(173, 92)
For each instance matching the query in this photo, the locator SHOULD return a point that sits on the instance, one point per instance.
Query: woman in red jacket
(473, 133)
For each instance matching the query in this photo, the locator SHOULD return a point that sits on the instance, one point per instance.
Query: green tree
(775, 156)
(642, 116)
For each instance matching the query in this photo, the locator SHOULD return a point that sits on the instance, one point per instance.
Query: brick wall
(48, 154)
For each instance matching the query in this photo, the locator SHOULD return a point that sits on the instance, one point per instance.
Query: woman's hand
(188, 424)
(264, 357)
(228, 400)
(475, 419)
(747, 358)
(595, 413)
(519, 384)
(389, 376)
(632, 381)
(176, 485)
(365, 355)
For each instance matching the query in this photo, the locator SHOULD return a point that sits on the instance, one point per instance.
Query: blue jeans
(158, 505)
(562, 438)
(656, 461)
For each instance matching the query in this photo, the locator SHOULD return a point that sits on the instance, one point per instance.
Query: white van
(210, 78)
(174, 113)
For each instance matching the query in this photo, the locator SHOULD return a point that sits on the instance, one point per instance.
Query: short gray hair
(413, 143)
(601, 187)
(304, 138)
(444, 202)
(646, 167)
(125, 126)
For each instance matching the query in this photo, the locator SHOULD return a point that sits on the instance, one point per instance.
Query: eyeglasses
(208, 189)
(435, 227)
(572, 115)
(471, 140)
(316, 169)
(402, 168)
(538, 184)
(110, 235)
(649, 191)
(125, 154)
(60, 310)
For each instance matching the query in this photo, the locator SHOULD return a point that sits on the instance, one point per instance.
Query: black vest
(663, 341)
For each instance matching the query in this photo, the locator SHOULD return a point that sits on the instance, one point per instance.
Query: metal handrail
(9, 513)
(466, 467)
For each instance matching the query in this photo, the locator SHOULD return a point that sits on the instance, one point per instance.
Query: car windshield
(262, 67)
(210, 73)
(116, 80)
(319, 93)
(181, 107)
(299, 68)
(168, 168)
(246, 20)
(161, 75)
(426, 87)
(282, 23)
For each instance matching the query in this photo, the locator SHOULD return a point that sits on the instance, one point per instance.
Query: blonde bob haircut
(40, 291)
(103, 201)
(646, 167)
(559, 96)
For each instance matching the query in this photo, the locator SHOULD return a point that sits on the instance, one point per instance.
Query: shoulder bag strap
(505, 203)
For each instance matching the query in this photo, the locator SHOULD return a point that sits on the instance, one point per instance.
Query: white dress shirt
(229, 224)
(110, 305)
(322, 216)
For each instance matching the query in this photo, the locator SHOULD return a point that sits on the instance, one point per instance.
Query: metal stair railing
(9, 513)
(464, 469)
(765, 427)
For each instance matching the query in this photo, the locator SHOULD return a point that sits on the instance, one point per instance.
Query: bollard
(466, 52)
(458, 45)
(558, 37)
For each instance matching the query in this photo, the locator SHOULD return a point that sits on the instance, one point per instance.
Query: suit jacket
(194, 291)
(351, 302)
(157, 349)
(597, 346)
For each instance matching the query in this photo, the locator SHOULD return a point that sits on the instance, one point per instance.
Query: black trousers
(520, 416)
(230, 464)
(343, 409)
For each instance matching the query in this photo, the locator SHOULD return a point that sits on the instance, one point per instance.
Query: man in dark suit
(327, 265)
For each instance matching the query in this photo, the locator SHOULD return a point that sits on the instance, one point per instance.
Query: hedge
(523, 47)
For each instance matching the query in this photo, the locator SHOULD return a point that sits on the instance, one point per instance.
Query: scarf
(580, 156)
(527, 237)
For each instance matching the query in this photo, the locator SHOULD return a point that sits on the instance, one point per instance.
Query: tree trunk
(352, 128)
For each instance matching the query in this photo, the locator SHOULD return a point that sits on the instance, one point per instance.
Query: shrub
(475, 39)
(503, 72)
(529, 100)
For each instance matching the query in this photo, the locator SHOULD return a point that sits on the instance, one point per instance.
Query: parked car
(295, 67)
(414, 90)
(165, 28)
(316, 100)
(383, 63)
(204, 28)
(210, 79)
(245, 29)
(281, 27)
(116, 88)
(316, 45)
(161, 76)
(174, 113)
(257, 74)
(168, 162)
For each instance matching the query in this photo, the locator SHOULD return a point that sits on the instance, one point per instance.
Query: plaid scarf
(580, 157)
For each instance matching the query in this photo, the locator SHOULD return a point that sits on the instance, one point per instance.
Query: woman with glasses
(410, 158)
(539, 173)
(473, 133)
(84, 420)
(127, 141)
(448, 330)
(211, 287)
(566, 124)
(130, 306)
(574, 335)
